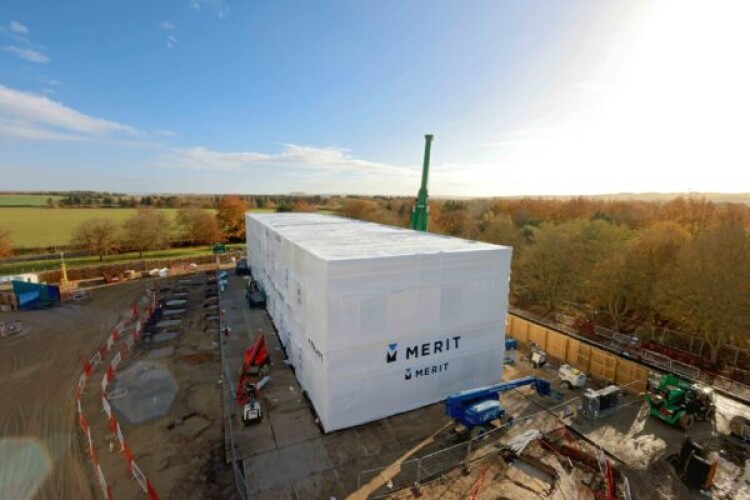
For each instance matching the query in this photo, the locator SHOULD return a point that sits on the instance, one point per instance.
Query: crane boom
(420, 214)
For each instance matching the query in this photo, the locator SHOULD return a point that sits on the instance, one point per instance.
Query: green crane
(420, 215)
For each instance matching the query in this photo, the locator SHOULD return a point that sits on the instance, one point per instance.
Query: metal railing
(416, 472)
(237, 469)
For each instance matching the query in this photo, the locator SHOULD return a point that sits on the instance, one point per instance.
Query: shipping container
(377, 320)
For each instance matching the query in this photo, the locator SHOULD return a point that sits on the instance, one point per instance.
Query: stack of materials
(378, 320)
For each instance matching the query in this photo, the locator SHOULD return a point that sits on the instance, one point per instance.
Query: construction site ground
(185, 451)
(40, 449)
(287, 456)
(42, 453)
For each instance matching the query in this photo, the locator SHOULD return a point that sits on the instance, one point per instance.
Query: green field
(26, 200)
(48, 227)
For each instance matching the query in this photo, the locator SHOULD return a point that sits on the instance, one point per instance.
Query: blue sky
(524, 97)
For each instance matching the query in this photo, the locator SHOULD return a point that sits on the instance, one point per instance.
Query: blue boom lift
(476, 409)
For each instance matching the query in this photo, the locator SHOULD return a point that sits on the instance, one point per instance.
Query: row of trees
(683, 264)
(89, 199)
(151, 229)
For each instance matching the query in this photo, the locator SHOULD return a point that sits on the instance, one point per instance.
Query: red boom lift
(256, 355)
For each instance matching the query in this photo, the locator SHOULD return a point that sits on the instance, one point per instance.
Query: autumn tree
(694, 214)
(148, 229)
(708, 291)
(198, 227)
(98, 236)
(500, 230)
(456, 223)
(231, 216)
(559, 264)
(651, 256)
(547, 271)
(6, 243)
(359, 209)
(302, 206)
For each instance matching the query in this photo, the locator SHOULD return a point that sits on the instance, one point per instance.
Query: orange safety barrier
(114, 426)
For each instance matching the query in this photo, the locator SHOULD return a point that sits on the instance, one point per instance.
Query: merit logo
(425, 371)
(390, 356)
(424, 350)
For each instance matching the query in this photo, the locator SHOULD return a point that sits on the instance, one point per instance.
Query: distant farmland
(47, 227)
(26, 200)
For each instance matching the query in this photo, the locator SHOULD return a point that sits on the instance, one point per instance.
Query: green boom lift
(420, 215)
(680, 402)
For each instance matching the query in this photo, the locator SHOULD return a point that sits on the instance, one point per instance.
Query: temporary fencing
(237, 469)
(598, 362)
(564, 343)
(382, 482)
(89, 365)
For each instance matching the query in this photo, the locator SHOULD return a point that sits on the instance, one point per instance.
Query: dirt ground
(40, 452)
(182, 451)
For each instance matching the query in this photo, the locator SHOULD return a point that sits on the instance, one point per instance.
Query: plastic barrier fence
(87, 370)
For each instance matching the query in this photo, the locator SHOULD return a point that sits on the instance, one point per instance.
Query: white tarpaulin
(378, 320)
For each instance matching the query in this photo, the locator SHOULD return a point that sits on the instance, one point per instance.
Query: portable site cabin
(31, 295)
(378, 320)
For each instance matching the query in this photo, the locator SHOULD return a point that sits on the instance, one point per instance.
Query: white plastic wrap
(378, 320)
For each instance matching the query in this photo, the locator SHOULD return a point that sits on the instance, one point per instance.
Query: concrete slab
(323, 484)
(164, 337)
(253, 439)
(376, 439)
(173, 312)
(163, 352)
(175, 302)
(283, 492)
(166, 324)
(278, 467)
(150, 391)
(293, 426)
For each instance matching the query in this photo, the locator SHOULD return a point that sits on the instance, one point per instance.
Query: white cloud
(292, 157)
(220, 7)
(32, 116)
(168, 26)
(28, 54)
(18, 28)
(171, 41)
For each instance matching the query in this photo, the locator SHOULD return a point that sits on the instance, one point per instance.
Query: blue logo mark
(392, 353)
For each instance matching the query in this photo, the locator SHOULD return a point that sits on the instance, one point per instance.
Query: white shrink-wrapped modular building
(378, 320)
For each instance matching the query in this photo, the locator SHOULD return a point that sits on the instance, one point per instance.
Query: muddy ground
(39, 445)
(42, 452)
(181, 451)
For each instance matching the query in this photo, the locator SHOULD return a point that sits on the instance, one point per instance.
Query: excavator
(475, 411)
(255, 357)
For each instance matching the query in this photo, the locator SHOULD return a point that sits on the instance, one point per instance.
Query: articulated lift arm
(256, 355)
(480, 406)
